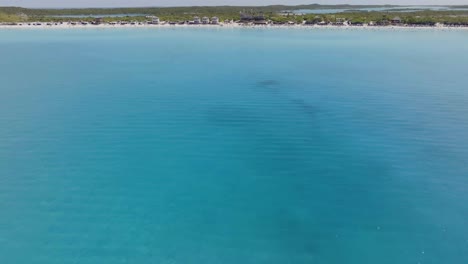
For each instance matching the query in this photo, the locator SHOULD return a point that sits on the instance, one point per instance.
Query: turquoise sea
(203, 145)
(379, 9)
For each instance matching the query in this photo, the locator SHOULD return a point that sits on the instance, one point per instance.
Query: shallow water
(233, 146)
(379, 9)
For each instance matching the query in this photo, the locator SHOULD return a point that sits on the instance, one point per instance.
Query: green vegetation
(274, 13)
(10, 18)
(417, 17)
(225, 10)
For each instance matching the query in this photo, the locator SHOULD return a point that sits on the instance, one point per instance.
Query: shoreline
(229, 26)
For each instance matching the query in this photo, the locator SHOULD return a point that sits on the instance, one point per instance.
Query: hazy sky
(122, 3)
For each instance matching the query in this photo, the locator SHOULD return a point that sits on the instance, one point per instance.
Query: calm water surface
(379, 9)
(233, 146)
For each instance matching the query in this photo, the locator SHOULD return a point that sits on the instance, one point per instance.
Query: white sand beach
(37, 25)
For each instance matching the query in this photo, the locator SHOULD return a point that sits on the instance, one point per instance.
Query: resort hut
(396, 20)
(253, 17)
(215, 20)
(383, 22)
(205, 20)
(339, 21)
(246, 16)
(196, 20)
(155, 20)
(313, 21)
(97, 21)
(259, 19)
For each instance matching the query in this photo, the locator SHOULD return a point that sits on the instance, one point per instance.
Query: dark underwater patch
(268, 85)
(304, 106)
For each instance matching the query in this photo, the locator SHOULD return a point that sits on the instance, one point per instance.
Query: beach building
(339, 22)
(259, 16)
(252, 17)
(383, 22)
(314, 21)
(259, 19)
(215, 20)
(152, 20)
(155, 20)
(98, 21)
(260, 22)
(246, 16)
(356, 23)
(205, 20)
(196, 20)
(396, 20)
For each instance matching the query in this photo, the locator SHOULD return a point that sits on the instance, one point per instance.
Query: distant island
(331, 15)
